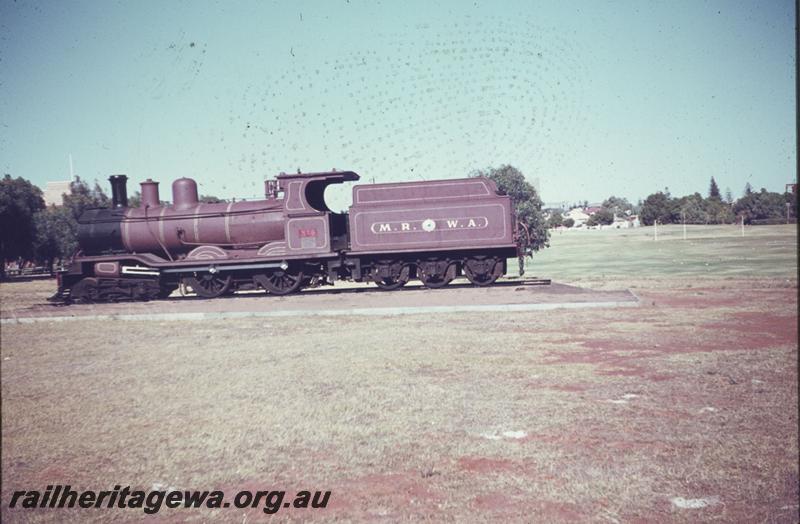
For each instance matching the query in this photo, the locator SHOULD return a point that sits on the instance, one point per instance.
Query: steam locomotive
(393, 232)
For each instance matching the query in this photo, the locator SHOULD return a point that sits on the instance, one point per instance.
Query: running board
(221, 268)
(139, 270)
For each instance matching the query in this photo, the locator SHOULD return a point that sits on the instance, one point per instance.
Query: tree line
(762, 207)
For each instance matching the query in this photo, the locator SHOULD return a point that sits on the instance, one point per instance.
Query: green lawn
(708, 251)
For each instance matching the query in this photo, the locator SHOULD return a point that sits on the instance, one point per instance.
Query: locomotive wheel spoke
(279, 281)
(209, 285)
(482, 271)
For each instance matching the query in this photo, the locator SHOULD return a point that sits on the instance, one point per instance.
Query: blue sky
(592, 98)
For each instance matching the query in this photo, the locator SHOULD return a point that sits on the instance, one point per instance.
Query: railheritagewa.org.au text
(153, 501)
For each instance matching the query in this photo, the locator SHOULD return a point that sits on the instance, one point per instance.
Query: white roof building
(577, 215)
(53, 192)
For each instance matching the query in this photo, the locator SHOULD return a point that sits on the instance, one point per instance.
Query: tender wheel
(483, 271)
(390, 276)
(435, 274)
(209, 285)
(280, 281)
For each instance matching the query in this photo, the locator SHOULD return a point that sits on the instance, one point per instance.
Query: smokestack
(149, 194)
(119, 191)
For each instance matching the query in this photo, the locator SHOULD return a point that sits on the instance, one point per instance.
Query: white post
(655, 230)
(683, 215)
(742, 225)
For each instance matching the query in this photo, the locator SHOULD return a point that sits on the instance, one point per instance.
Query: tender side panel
(478, 223)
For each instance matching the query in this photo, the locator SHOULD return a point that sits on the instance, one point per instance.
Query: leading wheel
(209, 285)
(483, 271)
(280, 281)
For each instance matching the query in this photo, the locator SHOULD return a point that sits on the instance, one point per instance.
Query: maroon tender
(432, 216)
(430, 230)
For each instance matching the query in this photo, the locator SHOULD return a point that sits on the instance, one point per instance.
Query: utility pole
(655, 230)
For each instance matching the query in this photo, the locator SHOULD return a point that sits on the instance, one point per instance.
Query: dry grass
(396, 415)
(18, 295)
(713, 252)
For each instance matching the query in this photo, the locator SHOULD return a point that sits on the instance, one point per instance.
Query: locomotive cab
(310, 222)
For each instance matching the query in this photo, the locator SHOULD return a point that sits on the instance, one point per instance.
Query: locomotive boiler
(429, 230)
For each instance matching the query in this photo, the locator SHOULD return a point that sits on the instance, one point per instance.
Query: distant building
(53, 192)
(623, 222)
(578, 216)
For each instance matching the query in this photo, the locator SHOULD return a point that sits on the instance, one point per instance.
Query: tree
(619, 206)
(556, 219)
(56, 235)
(763, 205)
(19, 202)
(603, 217)
(211, 199)
(713, 191)
(718, 212)
(658, 206)
(82, 197)
(690, 209)
(569, 222)
(57, 227)
(728, 196)
(748, 189)
(527, 204)
(135, 199)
